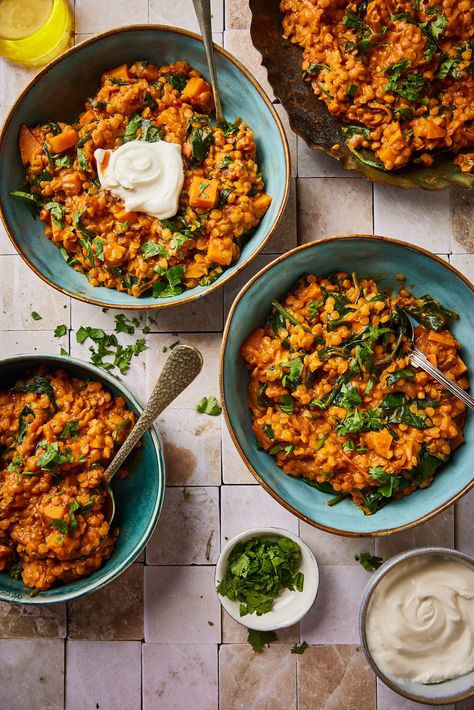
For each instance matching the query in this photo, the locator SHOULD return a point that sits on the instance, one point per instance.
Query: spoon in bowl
(202, 8)
(419, 359)
(181, 368)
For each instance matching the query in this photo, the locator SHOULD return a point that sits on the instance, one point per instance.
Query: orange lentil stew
(333, 396)
(399, 75)
(57, 435)
(132, 251)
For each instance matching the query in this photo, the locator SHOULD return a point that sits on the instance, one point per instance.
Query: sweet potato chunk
(28, 143)
(219, 250)
(261, 205)
(379, 441)
(120, 72)
(203, 193)
(198, 92)
(63, 141)
(195, 271)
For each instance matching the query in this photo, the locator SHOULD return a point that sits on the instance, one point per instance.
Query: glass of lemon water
(32, 32)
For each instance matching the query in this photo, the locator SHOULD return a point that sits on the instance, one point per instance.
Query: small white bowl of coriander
(267, 578)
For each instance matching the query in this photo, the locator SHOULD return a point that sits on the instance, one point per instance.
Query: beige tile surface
(438, 531)
(103, 675)
(238, 43)
(284, 238)
(291, 138)
(180, 13)
(464, 524)
(178, 676)
(398, 213)
(266, 680)
(237, 15)
(14, 78)
(245, 507)
(192, 445)
(22, 292)
(188, 530)
(334, 549)
(462, 224)
(233, 468)
(114, 613)
(321, 215)
(335, 678)
(116, 14)
(28, 621)
(333, 616)
(32, 674)
(181, 605)
(232, 288)
(18, 341)
(316, 163)
(233, 632)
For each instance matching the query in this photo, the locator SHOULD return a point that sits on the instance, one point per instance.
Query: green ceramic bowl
(138, 498)
(58, 92)
(382, 259)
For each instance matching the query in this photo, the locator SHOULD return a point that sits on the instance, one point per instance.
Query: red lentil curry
(334, 398)
(57, 436)
(221, 203)
(398, 74)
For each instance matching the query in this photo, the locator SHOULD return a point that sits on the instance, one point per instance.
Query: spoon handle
(202, 8)
(419, 359)
(180, 369)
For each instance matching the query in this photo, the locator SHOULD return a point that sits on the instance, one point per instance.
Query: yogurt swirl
(148, 177)
(420, 620)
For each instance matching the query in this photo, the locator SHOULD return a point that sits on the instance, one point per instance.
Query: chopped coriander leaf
(38, 385)
(60, 525)
(57, 212)
(60, 330)
(23, 422)
(52, 457)
(36, 316)
(368, 561)
(71, 429)
(287, 404)
(82, 162)
(177, 81)
(125, 423)
(268, 431)
(63, 352)
(259, 639)
(208, 405)
(258, 570)
(301, 648)
(123, 324)
(229, 128)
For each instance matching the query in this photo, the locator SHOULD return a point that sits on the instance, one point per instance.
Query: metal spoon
(419, 359)
(181, 368)
(202, 8)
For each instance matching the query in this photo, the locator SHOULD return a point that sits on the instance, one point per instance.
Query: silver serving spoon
(202, 8)
(181, 368)
(419, 359)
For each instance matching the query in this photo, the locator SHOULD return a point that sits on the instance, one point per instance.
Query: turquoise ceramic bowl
(369, 256)
(138, 498)
(58, 92)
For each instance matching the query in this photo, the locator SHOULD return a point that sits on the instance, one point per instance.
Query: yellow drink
(33, 32)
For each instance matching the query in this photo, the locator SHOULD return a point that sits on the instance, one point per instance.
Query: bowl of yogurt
(416, 625)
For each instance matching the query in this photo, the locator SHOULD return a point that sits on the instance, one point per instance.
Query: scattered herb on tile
(36, 316)
(300, 649)
(368, 561)
(259, 639)
(208, 405)
(258, 570)
(60, 330)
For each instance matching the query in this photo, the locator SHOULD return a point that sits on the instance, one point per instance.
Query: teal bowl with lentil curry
(383, 260)
(138, 496)
(101, 238)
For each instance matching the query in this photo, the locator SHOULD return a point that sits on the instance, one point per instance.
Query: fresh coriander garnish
(259, 639)
(209, 405)
(368, 561)
(60, 330)
(301, 648)
(258, 570)
(36, 316)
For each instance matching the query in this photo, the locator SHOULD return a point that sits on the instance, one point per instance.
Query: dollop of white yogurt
(420, 620)
(148, 177)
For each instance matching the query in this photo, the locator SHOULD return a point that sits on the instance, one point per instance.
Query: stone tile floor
(156, 638)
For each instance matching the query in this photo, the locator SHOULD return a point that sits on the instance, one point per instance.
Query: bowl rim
(239, 264)
(222, 382)
(370, 588)
(266, 531)
(89, 587)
